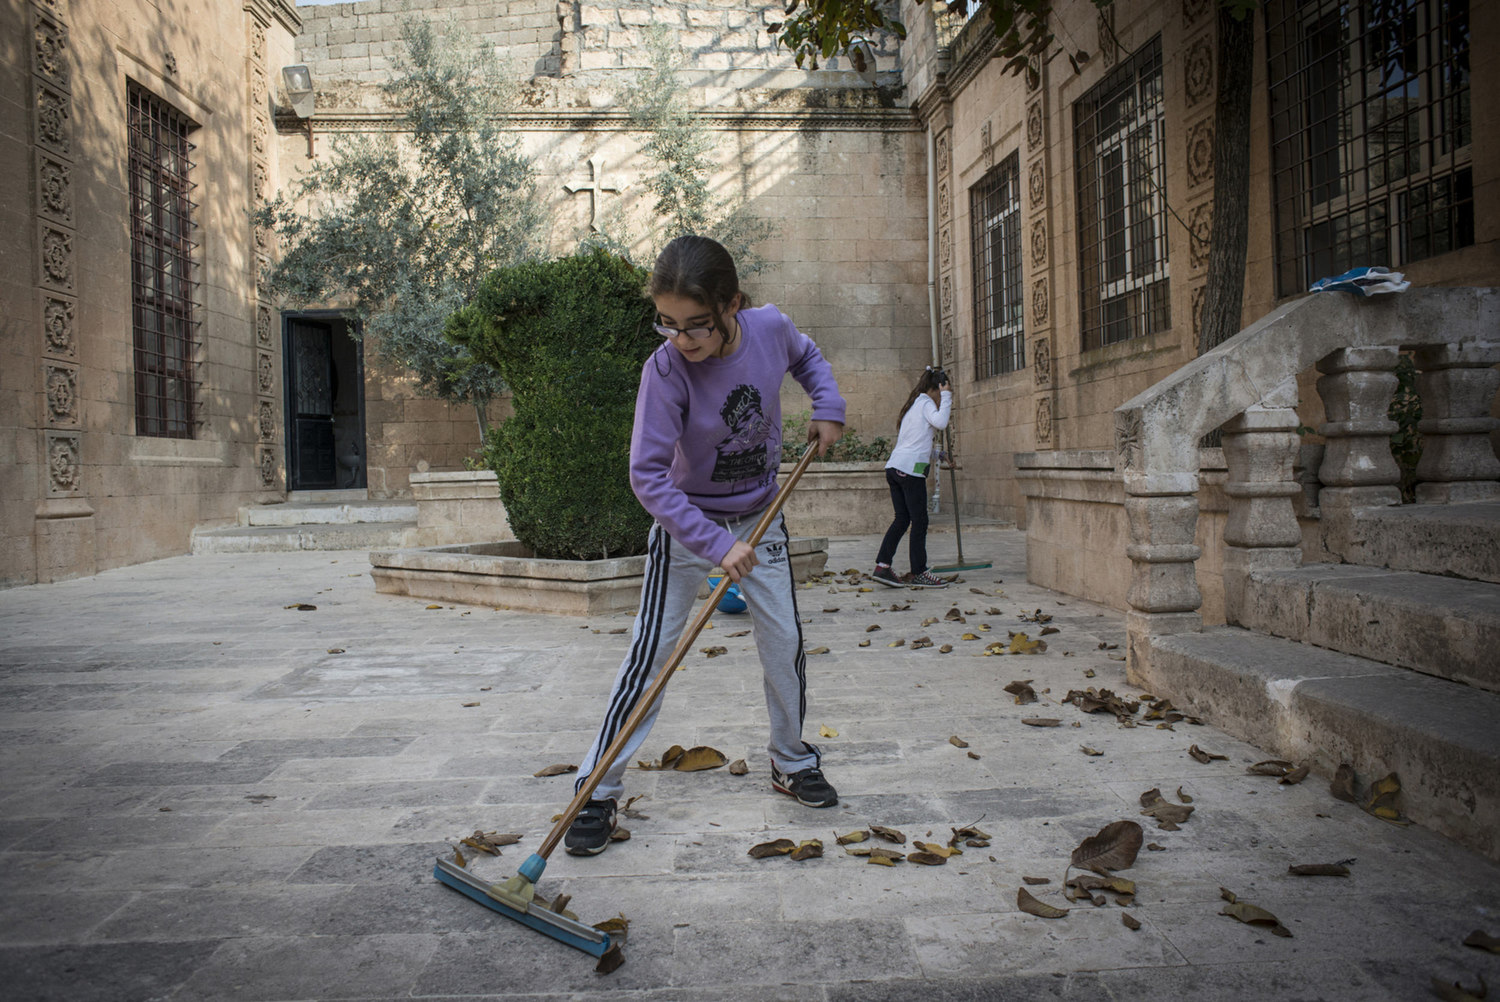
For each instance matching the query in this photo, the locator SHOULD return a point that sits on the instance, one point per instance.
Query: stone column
(1358, 469)
(1261, 533)
(1457, 384)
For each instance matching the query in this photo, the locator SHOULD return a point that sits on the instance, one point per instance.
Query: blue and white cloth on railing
(1363, 282)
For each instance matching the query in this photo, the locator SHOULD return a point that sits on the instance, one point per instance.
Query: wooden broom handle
(653, 693)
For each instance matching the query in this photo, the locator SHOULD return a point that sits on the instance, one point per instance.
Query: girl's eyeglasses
(696, 333)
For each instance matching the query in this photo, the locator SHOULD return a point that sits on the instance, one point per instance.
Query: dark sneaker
(808, 786)
(925, 580)
(887, 577)
(589, 833)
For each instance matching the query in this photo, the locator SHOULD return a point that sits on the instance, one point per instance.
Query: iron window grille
(163, 278)
(1371, 142)
(1118, 129)
(995, 225)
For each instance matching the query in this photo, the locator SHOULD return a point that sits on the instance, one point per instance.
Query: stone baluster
(1358, 469)
(1261, 532)
(1457, 384)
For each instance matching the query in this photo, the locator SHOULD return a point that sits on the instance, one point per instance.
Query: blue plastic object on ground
(732, 601)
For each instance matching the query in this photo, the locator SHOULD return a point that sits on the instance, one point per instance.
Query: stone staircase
(324, 520)
(1389, 659)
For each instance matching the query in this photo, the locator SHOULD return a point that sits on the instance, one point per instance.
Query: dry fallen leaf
(714, 652)
(1041, 722)
(738, 767)
(958, 742)
(926, 858)
(852, 838)
(1090, 751)
(1023, 692)
(1029, 904)
(1021, 644)
(1342, 785)
(1382, 802)
(1252, 914)
(1483, 941)
(1037, 880)
(1131, 922)
(1296, 776)
(864, 643)
(304, 607)
(620, 835)
(889, 834)
(1456, 992)
(555, 770)
(827, 732)
(872, 627)
(700, 758)
(434, 607)
(780, 847)
(1270, 767)
(810, 849)
(1167, 814)
(818, 650)
(1113, 847)
(1318, 870)
(1204, 756)
(741, 633)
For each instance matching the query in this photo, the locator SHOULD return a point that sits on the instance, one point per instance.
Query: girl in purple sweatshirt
(703, 460)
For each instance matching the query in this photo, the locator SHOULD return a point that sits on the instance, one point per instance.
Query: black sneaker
(925, 580)
(589, 833)
(887, 577)
(808, 786)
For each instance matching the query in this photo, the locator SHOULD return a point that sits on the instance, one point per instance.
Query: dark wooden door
(311, 457)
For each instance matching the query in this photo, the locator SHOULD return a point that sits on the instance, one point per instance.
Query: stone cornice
(975, 45)
(282, 12)
(585, 120)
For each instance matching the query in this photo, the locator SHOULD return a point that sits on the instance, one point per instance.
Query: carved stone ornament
(266, 418)
(945, 247)
(169, 63)
(49, 51)
(1109, 52)
(52, 120)
(55, 189)
(943, 163)
(987, 145)
(1044, 419)
(1041, 360)
(1034, 126)
(259, 179)
(1200, 234)
(1039, 301)
(263, 326)
(1128, 439)
(1200, 152)
(63, 473)
(266, 373)
(57, 8)
(944, 199)
(1033, 74)
(267, 468)
(1192, 10)
(257, 89)
(57, 323)
(1039, 242)
(259, 133)
(1036, 184)
(945, 298)
(57, 258)
(257, 41)
(62, 394)
(1198, 70)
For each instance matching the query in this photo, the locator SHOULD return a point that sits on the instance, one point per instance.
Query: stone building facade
(945, 208)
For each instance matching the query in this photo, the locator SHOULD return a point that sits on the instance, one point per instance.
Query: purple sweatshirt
(707, 436)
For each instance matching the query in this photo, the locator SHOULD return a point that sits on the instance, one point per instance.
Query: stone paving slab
(205, 794)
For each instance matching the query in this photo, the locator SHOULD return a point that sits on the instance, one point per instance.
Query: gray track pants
(673, 576)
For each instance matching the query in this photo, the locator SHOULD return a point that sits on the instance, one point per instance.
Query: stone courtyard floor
(205, 794)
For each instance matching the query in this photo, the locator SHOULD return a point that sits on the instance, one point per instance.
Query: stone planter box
(839, 499)
(457, 507)
(506, 575)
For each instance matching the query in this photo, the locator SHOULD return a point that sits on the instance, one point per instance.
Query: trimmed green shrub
(569, 336)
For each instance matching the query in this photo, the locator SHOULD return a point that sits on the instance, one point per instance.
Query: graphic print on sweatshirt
(742, 454)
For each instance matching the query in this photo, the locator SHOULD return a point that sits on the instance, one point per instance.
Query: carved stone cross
(595, 186)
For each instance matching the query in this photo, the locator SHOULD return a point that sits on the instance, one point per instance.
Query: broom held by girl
(704, 453)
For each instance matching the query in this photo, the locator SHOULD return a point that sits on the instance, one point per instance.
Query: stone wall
(83, 490)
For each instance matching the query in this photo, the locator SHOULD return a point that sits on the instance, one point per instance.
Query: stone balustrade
(1248, 388)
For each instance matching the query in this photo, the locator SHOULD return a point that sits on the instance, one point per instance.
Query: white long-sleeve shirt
(913, 449)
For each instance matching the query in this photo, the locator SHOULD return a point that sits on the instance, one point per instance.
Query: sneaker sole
(584, 850)
(927, 587)
(805, 803)
(888, 584)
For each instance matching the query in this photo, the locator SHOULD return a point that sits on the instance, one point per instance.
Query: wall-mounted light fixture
(299, 88)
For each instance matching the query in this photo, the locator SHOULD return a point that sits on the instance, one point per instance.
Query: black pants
(909, 498)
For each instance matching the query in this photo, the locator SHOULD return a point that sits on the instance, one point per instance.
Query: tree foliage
(401, 227)
(569, 336)
(680, 150)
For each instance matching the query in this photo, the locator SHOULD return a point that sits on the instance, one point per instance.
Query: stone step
(1306, 704)
(327, 513)
(281, 538)
(1441, 626)
(1455, 540)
